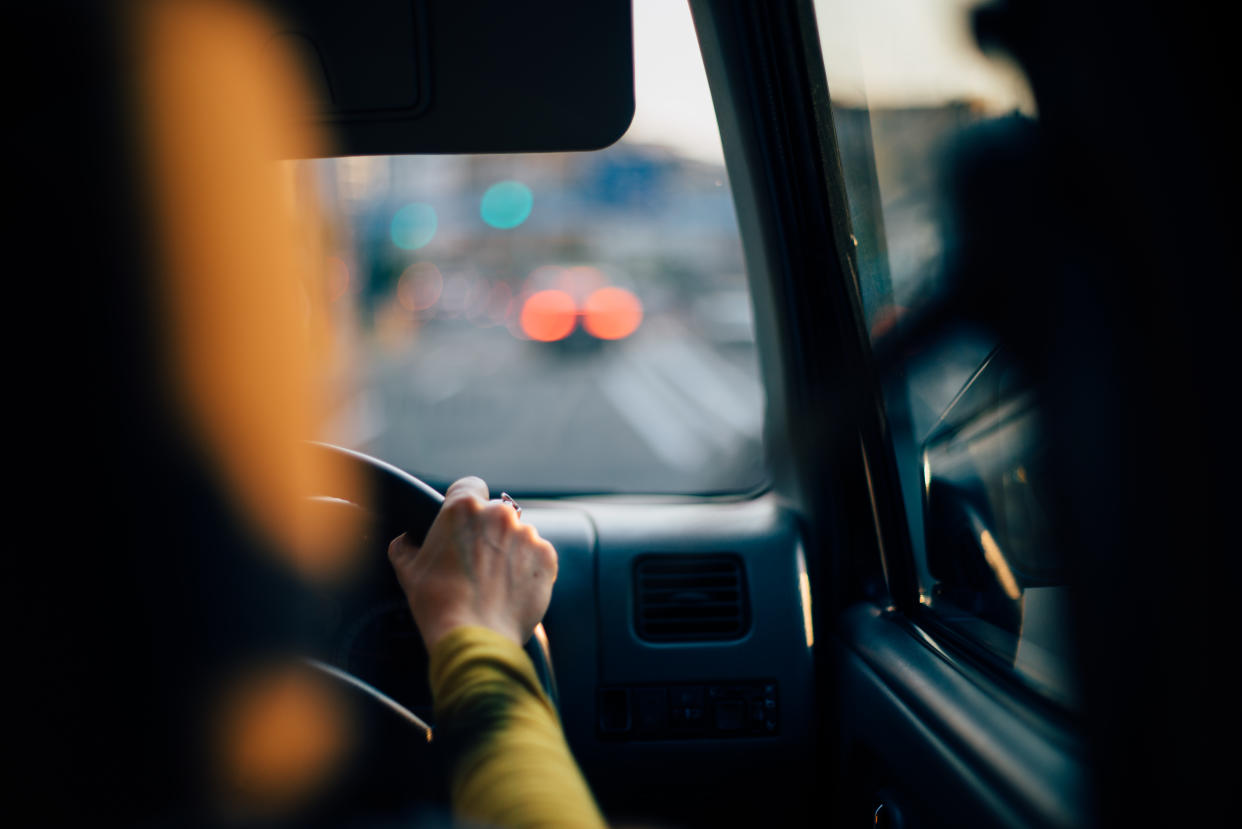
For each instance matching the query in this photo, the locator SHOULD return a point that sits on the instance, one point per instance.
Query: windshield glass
(555, 323)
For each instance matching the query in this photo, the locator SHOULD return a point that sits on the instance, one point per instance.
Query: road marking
(685, 403)
(670, 438)
(684, 408)
(725, 392)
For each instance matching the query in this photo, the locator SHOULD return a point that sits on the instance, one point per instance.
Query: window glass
(910, 94)
(555, 323)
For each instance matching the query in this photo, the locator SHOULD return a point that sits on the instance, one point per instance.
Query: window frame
(896, 520)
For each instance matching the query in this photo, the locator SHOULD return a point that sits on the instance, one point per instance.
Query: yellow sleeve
(509, 763)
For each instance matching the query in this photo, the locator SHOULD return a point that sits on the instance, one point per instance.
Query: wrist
(434, 632)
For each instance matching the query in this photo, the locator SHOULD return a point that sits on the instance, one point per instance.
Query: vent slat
(669, 631)
(686, 598)
(687, 616)
(729, 605)
(679, 598)
(657, 568)
(666, 584)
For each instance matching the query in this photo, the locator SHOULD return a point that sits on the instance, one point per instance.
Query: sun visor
(452, 76)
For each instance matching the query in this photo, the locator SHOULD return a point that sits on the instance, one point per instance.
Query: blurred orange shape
(338, 278)
(549, 315)
(282, 734)
(612, 313)
(244, 277)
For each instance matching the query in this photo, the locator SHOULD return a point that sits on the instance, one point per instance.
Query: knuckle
(543, 552)
(534, 538)
(549, 558)
(497, 517)
(460, 509)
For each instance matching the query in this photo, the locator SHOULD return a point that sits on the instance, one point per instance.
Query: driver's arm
(477, 587)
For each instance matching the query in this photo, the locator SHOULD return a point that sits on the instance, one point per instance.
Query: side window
(912, 96)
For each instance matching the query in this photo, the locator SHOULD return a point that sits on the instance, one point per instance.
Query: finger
(548, 559)
(498, 520)
(402, 548)
(509, 504)
(468, 487)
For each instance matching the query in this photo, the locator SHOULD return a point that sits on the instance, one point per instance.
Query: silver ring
(506, 498)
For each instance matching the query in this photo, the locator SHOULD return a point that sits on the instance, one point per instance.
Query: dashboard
(681, 640)
(686, 720)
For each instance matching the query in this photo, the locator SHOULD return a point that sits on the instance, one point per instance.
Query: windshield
(555, 323)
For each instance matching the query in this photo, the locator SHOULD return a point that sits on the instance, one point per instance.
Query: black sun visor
(465, 76)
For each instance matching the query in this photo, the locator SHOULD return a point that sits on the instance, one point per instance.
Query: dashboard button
(730, 715)
(651, 709)
(689, 696)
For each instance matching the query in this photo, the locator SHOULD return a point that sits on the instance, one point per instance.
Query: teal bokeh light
(506, 204)
(413, 226)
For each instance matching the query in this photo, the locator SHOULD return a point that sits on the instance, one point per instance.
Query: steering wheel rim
(392, 491)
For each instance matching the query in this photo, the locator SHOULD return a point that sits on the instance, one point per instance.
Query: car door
(947, 691)
(968, 334)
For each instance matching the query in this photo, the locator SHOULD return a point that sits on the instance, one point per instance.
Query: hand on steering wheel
(478, 566)
(397, 501)
(456, 556)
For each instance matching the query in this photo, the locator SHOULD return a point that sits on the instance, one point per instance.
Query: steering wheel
(395, 724)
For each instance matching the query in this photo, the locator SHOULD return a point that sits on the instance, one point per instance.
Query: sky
(913, 52)
(886, 52)
(672, 103)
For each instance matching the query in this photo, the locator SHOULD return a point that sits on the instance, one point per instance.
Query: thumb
(468, 487)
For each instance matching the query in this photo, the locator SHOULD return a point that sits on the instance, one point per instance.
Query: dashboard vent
(690, 598)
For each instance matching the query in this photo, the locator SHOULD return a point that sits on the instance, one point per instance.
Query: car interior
(879, 432)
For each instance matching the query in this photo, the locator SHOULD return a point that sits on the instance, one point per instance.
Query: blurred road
(659, 412)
